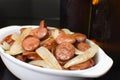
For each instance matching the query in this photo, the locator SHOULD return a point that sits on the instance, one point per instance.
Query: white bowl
(26, 71)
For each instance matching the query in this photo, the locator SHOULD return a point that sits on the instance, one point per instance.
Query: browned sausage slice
(21, 57)
(83, 46)
(8, 39)
(83, 65)
(43, 24)
(49, 43)
(80, 37)
(64, 51)
(30, 43)
(39, 32)
(63, 38)
(31, 55)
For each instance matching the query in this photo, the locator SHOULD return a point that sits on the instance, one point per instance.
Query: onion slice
(88, 54)
(16, 36)
(48, 57)
(5, 46)
(67, 31)
(40, 63)
(16, 47)
(55, 33)
(78, 52)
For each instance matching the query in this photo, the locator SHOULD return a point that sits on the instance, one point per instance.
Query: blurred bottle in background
(100, 20)
(75, 14)
(104, 25)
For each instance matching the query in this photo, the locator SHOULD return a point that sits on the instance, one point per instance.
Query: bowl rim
(98, 70)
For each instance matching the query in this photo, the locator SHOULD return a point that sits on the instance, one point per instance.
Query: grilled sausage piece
(49, 43)
(30, 43)
(39, 32)
(83, 65)
(79, 37)
(64, 51)
(21, 57)
(8, 39)
(63, 38)
(43, 24)
(31, 55)
(83, 46)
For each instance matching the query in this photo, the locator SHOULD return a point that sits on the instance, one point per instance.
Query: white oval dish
(26, 71)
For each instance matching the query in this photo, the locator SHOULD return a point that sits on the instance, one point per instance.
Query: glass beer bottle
(75, 14)
(100, 20)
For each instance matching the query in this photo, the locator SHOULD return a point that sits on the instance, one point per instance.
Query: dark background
(27, 12)
(23, 12)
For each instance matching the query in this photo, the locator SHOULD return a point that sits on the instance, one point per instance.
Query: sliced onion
(48, 57)
(55, 33)
(5, 46)
(67, 31)
(88, 54)
(16, 36)
(25, 33)
(40, 63)
(16, 47)
(78, 52)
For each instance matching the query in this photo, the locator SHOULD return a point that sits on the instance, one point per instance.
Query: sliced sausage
(31, 55)
(48, 43)
(39, 32)
(21, 57)
(30, 43)
(83, 65)
(63, 38)
(83, 46)
(8, 39)
(64, 51)
(62, 63)
(80, 37)
(43, 24)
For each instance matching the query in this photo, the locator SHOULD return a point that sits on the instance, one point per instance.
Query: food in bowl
(51, 48)
(20, 65)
